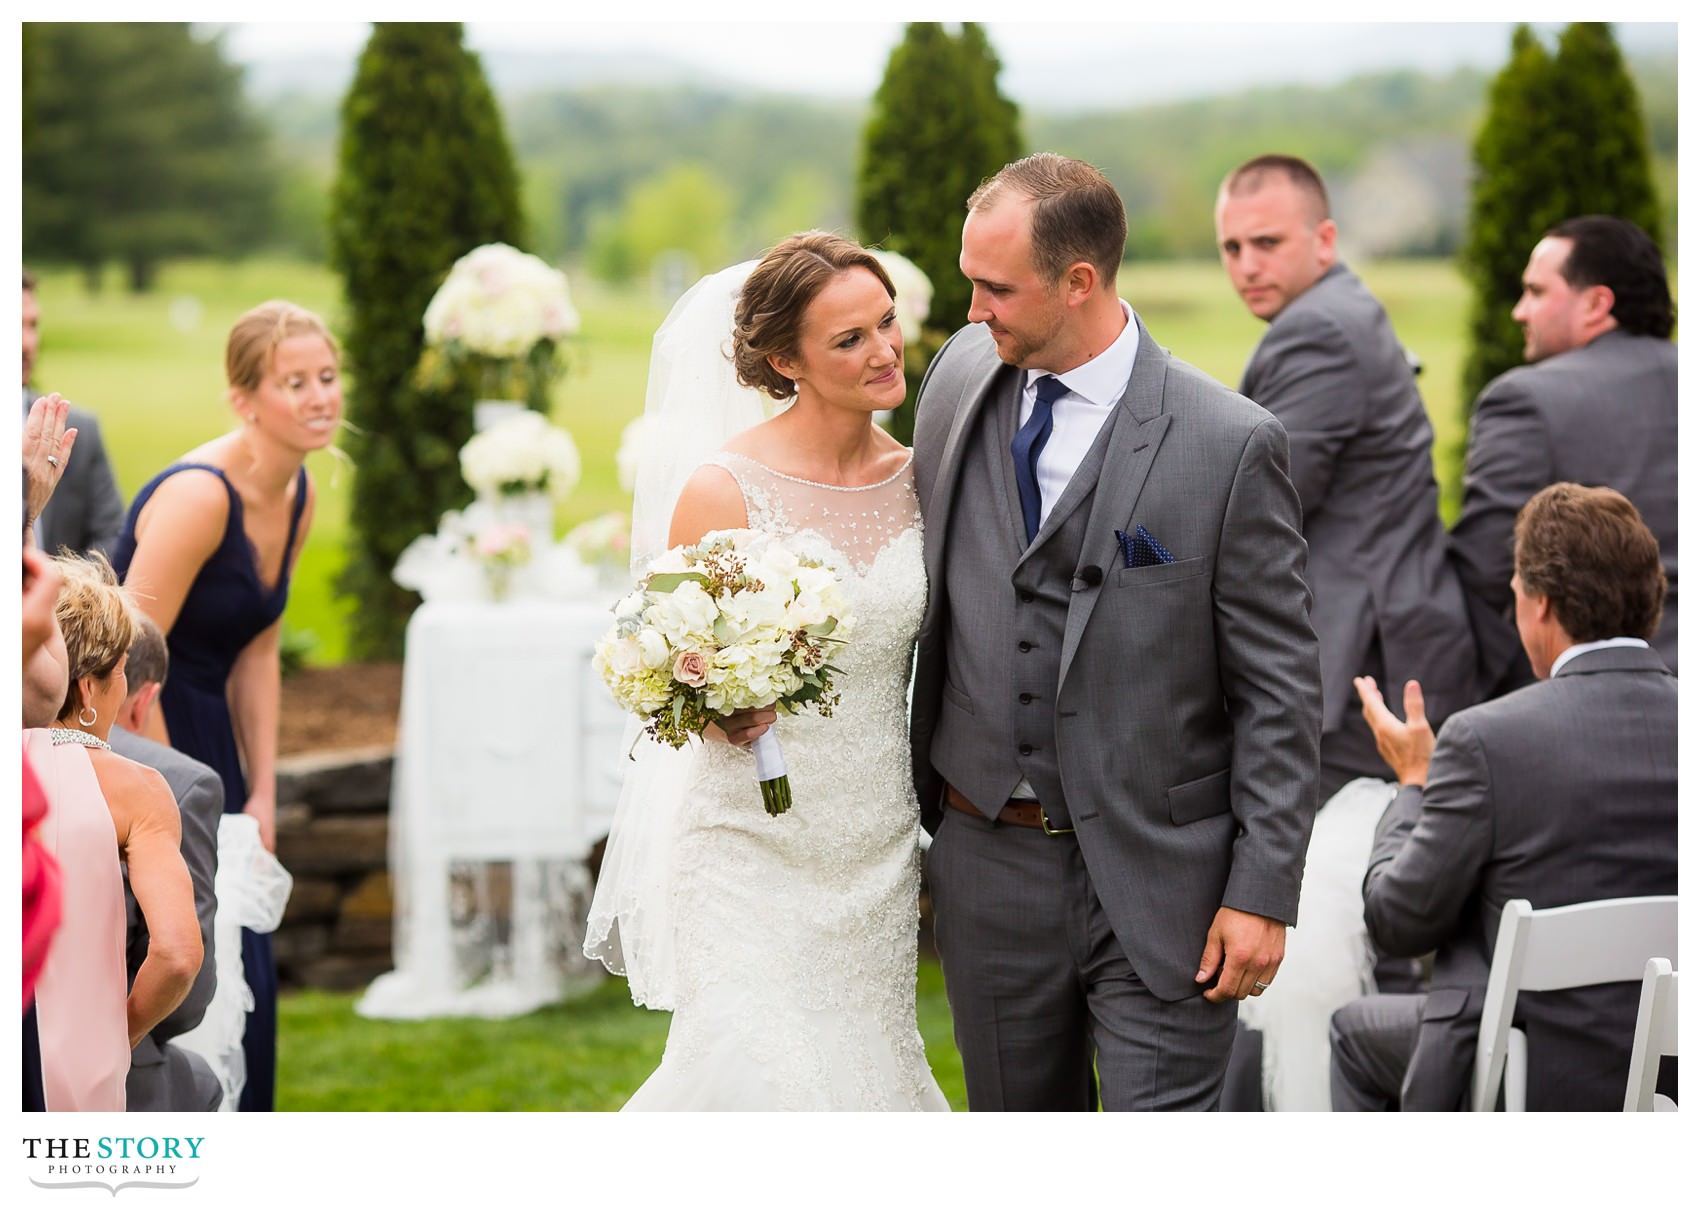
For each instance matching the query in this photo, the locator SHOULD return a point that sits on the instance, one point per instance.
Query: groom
(1118, 695)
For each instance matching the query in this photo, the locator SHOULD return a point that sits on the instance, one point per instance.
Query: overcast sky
(1061, 62)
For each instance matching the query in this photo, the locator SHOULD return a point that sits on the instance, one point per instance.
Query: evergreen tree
(425, 175)
(938, 127)
(137, 146)
(1564, 135)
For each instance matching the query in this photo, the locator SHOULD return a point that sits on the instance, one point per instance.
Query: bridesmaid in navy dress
(207, 550)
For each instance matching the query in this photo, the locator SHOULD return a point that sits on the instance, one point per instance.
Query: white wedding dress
(794, 937)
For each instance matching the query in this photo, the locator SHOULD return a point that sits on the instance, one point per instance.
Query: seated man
(163, 1077)
(1561, 792)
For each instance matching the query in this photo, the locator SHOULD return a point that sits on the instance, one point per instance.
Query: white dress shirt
(1616, 642)
(1094, 390)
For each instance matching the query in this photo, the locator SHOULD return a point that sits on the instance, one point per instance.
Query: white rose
(652, 648)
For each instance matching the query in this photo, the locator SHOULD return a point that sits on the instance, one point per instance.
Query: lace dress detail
(797, 933)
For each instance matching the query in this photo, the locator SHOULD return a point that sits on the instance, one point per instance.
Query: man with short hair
(1117, 692)
(1337, 378)
(1561, 792)
(164, 1077)
(1596, 404)
(86, 511)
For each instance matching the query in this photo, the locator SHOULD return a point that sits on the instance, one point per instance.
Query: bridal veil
(692, 405)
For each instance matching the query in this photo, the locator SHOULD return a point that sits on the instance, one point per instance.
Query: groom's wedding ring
(1262, 985)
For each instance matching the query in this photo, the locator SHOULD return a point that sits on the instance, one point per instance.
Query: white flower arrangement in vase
(504, 314)
(634, 444)
(521, 454)
(914, 292)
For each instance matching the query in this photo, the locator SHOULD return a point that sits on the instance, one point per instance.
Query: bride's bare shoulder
(710, 501)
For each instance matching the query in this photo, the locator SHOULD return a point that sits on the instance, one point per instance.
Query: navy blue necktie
(1029, 441)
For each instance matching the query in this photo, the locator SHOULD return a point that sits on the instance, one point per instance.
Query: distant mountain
(511, 73)
(1394, 147)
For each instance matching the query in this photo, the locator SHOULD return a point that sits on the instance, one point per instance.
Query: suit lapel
(978, 392)
(1140, 425)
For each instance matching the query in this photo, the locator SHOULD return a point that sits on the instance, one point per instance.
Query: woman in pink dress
(104, 809)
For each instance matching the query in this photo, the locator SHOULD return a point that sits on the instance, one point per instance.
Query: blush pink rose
(691, 668)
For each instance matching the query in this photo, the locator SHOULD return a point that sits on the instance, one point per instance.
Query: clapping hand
(47, 449)
(1405, 745)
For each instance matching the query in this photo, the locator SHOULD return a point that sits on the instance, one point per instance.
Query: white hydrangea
(634, 440)
(499, 302)
(914, 291)
(521, 453)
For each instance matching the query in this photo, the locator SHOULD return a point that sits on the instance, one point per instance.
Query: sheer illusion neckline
(818, 484)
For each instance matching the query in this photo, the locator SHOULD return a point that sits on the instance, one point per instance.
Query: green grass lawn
(152, 366)
(588, 1055)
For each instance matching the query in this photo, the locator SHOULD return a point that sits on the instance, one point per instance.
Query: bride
(785, 946)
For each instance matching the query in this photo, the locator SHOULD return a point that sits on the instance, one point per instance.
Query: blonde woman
(208, 549)
(88, 1021)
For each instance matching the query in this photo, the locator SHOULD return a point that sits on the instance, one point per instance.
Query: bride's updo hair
(768, 320)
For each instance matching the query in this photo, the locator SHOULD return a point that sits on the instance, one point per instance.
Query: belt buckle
(1045, 824)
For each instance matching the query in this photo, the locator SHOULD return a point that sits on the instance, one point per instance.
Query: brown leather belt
(1015, 813)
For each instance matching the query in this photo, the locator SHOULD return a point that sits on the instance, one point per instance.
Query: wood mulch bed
(338, 707)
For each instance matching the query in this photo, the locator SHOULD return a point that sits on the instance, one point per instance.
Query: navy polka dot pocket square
(1141, 549)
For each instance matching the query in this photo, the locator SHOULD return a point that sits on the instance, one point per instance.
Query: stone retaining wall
(333, 836)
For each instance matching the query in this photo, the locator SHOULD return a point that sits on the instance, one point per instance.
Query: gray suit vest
(1006, 619)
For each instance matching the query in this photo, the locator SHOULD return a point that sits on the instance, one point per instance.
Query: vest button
(1025, 647)
(1026, 749)
(1025, 596)
(1026, 698)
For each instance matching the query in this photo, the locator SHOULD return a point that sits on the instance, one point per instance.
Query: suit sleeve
(105, 518)
(200, 810)
(1430, 848)
(1509, 461)
(1308, 376)
(1271, 673)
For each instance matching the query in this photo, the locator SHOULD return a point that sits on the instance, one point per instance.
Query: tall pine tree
(137, 146)
(938, 128)
(1564, 135)
(425, 175)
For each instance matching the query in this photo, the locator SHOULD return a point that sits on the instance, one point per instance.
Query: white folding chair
(1561, 948)
(1655, 1038)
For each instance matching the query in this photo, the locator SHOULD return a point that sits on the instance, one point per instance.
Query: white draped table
(507, 769)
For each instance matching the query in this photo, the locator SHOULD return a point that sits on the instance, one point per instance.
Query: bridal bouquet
(735, 621)
(504, 314)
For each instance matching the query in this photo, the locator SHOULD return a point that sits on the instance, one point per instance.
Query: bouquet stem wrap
(770, 773)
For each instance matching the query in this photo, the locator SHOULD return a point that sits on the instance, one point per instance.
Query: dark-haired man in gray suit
(1596, 404)
(164, 1077)
(1561, 792)
(85, 512)
(1334, 374)
(1117, 694)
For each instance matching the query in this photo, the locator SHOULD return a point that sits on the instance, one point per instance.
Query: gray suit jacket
(1336, 377)
(1189, 699)
(1561, 792)
(162, 1077)
(1603, 414)
(86, 511)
